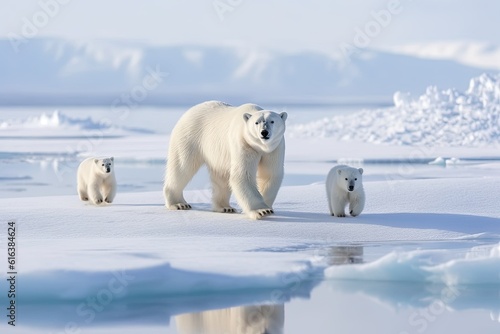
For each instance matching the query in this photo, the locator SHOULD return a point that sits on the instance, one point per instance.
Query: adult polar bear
(243, 148)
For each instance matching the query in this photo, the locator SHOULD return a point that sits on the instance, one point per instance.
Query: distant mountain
(52, 71)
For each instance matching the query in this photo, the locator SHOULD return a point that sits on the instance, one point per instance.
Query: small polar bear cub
(96, 180)
(344, 185)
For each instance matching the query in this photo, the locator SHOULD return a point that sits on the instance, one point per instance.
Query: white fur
(229, 140)
(337, 190)
(96, 180)
(253, 319)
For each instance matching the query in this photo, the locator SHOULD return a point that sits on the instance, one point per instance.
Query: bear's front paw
(98, 200)
(339, 214)
(260, 213)
(107, 200)
(355, 212)
(180, 206)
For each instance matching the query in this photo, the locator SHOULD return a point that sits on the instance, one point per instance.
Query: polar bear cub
(344, 185)
(96, 180)
(243, 148)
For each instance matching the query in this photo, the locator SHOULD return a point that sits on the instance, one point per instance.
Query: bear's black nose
(351, 188)
(108, 170)
(264, 134)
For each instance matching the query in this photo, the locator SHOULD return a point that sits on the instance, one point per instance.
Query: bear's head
(350, 178)
(265, 129)
(104, 166)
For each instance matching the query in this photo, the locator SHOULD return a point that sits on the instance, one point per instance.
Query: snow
(149, 260)
(418, 266)
(432, 216)
(58, 123)
(198, 249)
(52, 121)
(437, 118)
(440, 161)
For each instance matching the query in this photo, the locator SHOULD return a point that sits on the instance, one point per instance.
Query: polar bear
(243, 148)
(96, 180)
(249, 319)
(344, 185)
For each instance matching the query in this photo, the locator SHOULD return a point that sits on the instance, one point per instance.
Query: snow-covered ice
(424, 226)
(436, 118)
(418, 266)
(58, 123)
(151, 255)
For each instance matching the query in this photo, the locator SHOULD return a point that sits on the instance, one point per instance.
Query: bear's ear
(360, 170)
(96, 161)
(283, 116)
(339, 171)
(112, 159)
(246, 116)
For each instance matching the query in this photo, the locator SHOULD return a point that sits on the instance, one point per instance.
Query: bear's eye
(256, 123)
(346, 178)
(355, 179)
(103, 165)
(272, 122)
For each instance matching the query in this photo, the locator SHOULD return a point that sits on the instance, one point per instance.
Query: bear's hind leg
(221, 192)
(179, 173)
(83, 194)
(330, 207)
(82, 188)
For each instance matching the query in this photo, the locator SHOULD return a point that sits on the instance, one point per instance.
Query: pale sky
(281, 24)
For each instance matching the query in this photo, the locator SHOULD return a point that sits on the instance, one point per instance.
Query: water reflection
(254, 319)
(308, 303)
(338, 255)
